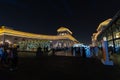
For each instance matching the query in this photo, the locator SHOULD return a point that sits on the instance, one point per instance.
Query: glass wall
(112, 33)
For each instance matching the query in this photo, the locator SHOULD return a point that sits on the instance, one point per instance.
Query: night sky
(82, 17)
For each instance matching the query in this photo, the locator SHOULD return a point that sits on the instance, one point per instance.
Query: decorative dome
(62, 29)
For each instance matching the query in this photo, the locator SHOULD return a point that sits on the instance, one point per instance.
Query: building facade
(30, 41)
(109, 29)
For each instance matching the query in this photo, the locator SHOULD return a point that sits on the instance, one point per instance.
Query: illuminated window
(117, 35)
(62, 34)
(8, 41)
(110, 37)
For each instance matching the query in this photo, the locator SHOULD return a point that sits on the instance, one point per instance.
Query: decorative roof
(62, 29)
(107, 23)
(103, 24)
(12, 32)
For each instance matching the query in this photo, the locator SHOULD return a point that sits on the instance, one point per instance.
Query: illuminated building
(110, 29)
(30, 41)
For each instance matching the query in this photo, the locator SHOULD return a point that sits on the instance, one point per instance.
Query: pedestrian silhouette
(84, 53)
(39, 52)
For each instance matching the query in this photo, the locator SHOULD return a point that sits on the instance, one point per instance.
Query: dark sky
(82, 17)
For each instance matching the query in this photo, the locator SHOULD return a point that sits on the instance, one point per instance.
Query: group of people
(85, 51)
(45, 51)
(79, 51)
(42, 51)
(9, 56)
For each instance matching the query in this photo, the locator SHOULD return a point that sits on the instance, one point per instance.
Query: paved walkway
(61, 67)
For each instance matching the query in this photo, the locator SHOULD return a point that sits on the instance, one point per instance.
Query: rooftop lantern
(64, 31)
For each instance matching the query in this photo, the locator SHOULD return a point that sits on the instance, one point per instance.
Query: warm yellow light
(104, 23)
(61, 29)
(7, 31)
(97, 34)
(8, 41)
(118, 35)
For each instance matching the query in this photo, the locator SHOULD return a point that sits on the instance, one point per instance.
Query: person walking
(1, 54)
(9, 55)
(15, 57)
(39, 52)
(84, 52)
